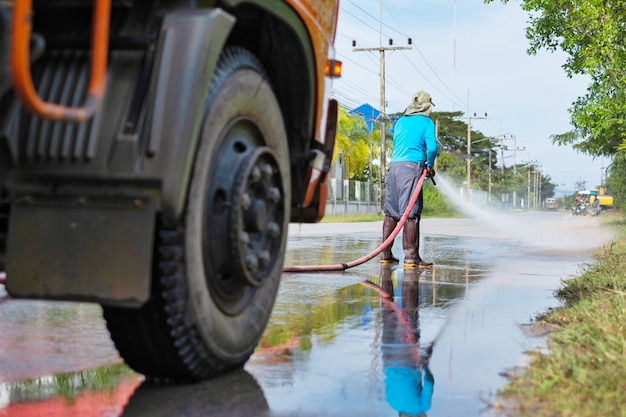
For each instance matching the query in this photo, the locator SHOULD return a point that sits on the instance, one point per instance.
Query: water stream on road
(531, 231)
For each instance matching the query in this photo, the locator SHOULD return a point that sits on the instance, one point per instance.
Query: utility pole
(535, 188)
(502, 156)
(469, 151)
(489, 193)
(515, 149)
(528, 194)
(514, 154)
(383, 116)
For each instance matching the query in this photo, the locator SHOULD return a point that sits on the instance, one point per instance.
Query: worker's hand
(430, 173)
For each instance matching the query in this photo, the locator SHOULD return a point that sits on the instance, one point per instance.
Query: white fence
(352, 197)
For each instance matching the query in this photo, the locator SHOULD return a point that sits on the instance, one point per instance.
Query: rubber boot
(386, 284)
(410, 244)
(386, 257)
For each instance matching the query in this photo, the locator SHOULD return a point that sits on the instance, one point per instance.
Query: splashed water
(559, 231)
(459, 202)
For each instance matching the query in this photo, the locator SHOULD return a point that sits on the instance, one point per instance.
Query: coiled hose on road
(387, 242)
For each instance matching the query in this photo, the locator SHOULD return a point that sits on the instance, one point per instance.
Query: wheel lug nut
(268, 171)
(244, 237)
(246, 201)
(252, 263)
(274, 194)
(273, 229)
(255, 174)
(264, 258)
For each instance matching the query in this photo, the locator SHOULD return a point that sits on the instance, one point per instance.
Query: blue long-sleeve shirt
(414, 140)
(405, 391)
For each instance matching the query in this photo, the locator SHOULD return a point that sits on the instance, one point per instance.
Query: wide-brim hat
(421, 103)
(422, 97)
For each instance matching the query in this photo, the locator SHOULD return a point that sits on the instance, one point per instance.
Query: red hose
(409, 333)
(387, 242)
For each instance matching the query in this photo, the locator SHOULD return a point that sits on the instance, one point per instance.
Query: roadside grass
(373, 217)
(583, 370)
(352, 218)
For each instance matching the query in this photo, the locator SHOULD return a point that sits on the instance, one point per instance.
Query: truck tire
(216, 270)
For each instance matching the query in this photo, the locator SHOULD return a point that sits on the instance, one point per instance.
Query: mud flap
(314, 203)
(98, 252)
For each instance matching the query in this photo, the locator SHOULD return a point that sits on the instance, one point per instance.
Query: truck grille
(61, 77)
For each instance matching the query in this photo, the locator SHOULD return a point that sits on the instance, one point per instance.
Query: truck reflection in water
(94, 392)
(118, 391)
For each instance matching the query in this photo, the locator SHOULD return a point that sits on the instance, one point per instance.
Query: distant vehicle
(579, 209)
(606, 201)
(551, 204)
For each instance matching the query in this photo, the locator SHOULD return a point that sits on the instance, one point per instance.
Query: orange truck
(152, 154)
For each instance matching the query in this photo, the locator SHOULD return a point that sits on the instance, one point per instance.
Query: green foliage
(452, 160)
(353, 218)
(452, 164)
(616, 180)
(356, 146)
(71, 385)
(452, 138)
(437, 205)
(360, 151)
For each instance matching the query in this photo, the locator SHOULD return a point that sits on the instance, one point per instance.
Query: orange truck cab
(152, 154)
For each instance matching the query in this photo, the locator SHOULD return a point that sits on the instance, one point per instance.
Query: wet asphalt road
(371, 341)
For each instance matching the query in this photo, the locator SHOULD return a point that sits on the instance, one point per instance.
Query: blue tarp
(368, 113)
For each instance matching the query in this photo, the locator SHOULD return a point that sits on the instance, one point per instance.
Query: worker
(414, 150)
(596, 206)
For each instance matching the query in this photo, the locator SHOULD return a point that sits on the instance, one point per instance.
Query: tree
(359, 148)
(356, 145)
(452, 160)
(591, 33)
(616, 181)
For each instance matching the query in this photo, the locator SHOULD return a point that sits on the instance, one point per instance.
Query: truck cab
(152, 154)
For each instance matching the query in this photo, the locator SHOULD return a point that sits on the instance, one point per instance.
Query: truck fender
(188, 50)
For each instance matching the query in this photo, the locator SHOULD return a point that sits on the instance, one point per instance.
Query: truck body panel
(97, 194)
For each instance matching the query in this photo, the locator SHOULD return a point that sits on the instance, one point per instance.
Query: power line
(435, 81)
(371, 27)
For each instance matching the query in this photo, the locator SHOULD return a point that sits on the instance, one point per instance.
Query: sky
(471, 57)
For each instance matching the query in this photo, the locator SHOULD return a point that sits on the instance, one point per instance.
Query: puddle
(326, 349)
(46, 338)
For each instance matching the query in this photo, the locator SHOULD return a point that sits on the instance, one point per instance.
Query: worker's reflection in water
(408, 381)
